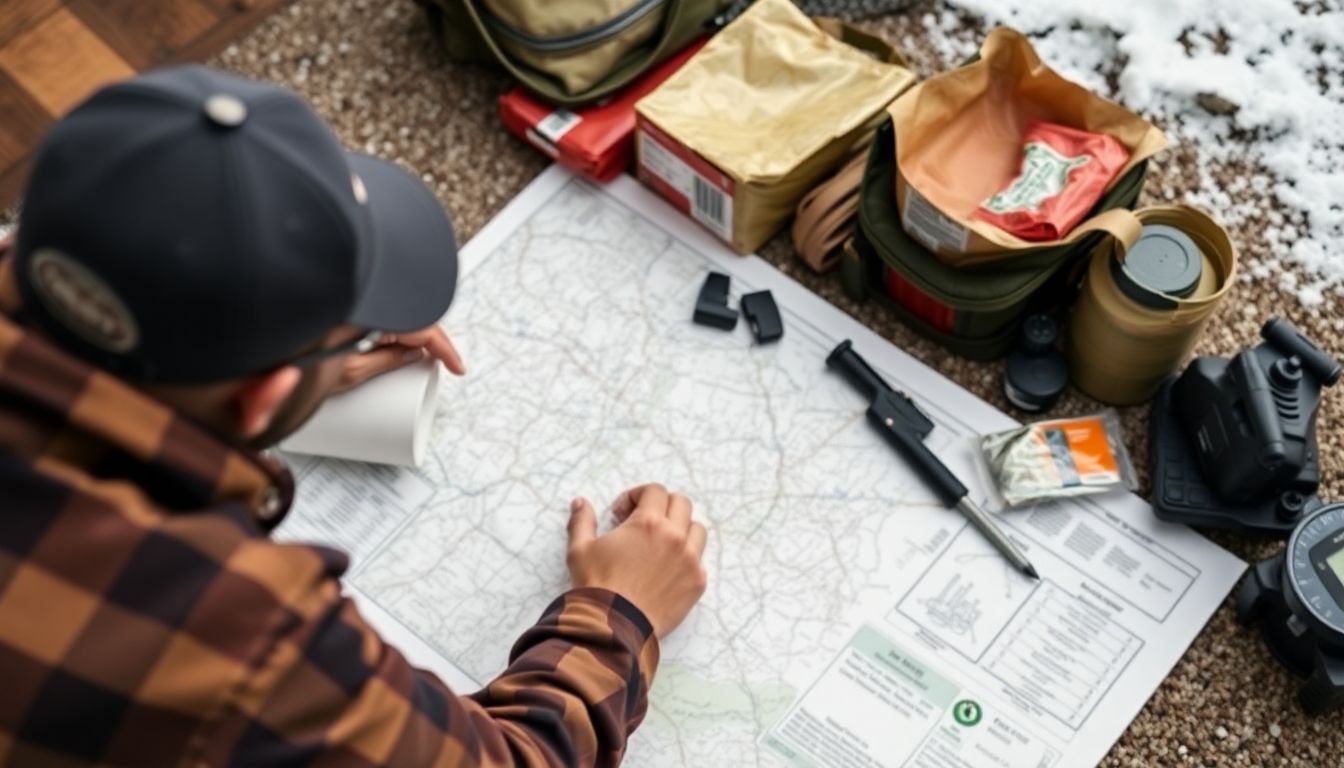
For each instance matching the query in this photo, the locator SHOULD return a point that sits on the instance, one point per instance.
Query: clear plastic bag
(1058, 458)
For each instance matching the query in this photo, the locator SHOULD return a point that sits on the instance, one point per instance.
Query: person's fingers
(360, 368)
(653, 501)
(679, 511)
(650, 496)
(696, 538)
(443, 349)
(436, 341)
(582, 522)
(625, 503)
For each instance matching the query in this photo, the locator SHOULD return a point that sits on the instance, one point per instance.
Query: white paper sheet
(386, 420)
(849, 618)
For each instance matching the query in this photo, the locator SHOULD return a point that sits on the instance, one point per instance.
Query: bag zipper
(560, 43)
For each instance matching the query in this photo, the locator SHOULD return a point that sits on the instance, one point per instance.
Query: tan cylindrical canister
(1126, 336)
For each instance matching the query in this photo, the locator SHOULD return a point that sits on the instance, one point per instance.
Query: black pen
(904, 427)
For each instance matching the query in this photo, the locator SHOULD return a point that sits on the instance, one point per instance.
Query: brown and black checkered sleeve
(196, 642)
(331, 690)
(146, 617)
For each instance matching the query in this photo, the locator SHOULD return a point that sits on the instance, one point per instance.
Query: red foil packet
(596, 141)
(1064, 173)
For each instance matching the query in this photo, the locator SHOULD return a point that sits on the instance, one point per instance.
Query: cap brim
(413, 271)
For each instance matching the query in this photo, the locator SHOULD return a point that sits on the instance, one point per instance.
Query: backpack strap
(826, 215)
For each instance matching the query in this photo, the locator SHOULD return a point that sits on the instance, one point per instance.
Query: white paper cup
(386, 420)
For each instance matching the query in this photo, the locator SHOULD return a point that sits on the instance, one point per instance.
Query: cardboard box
(774, 102)
(596, 142)
(691, 183)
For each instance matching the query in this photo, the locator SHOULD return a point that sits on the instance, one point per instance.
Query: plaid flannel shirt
(146, 618)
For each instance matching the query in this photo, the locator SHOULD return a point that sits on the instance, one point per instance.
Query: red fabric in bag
(1064, 173)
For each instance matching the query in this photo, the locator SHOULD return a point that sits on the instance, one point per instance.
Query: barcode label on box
(557, 124)
(928, 225)
(711, 207)
(705, 199)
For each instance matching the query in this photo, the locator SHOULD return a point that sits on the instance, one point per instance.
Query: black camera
(1234, 441)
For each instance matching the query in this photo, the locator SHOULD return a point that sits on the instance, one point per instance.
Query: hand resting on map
(652, 558)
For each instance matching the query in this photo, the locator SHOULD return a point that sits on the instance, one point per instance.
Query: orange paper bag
(959, 140)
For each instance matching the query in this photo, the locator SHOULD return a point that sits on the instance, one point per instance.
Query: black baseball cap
(189, 226)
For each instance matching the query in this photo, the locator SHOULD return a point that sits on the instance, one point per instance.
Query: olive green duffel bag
(974, 311)
(570, 52)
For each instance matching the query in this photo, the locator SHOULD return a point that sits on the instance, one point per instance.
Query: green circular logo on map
(967, 712)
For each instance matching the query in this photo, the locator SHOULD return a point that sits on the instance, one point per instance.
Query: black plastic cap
(1035, 382)
(763, 316)
(711, 306)
(1039, 334)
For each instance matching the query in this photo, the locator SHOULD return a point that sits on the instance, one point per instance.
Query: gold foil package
(770, 105)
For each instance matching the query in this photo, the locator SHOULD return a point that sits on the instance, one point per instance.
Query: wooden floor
(53, 53)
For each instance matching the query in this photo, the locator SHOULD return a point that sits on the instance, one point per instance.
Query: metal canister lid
(1164, 263)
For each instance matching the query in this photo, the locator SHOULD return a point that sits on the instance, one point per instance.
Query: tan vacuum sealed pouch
(775, 101)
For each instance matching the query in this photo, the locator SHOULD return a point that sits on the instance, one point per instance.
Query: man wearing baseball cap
(197, 266)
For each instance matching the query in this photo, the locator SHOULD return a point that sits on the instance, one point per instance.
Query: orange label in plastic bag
(1079, 451)
(1059, 458)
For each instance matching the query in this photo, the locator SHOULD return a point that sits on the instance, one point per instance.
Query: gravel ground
(373, 71)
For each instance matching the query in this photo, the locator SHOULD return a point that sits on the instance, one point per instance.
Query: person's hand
(652, 558)
(401, 349)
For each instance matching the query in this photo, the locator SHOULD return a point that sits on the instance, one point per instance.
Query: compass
(1297, 597)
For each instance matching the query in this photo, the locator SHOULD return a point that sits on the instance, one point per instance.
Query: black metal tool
(904, 427)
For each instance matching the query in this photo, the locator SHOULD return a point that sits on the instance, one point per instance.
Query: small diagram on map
(955, 608)
(967, 596)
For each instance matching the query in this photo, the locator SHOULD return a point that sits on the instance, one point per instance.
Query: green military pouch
(973, 311)
(570, 52)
